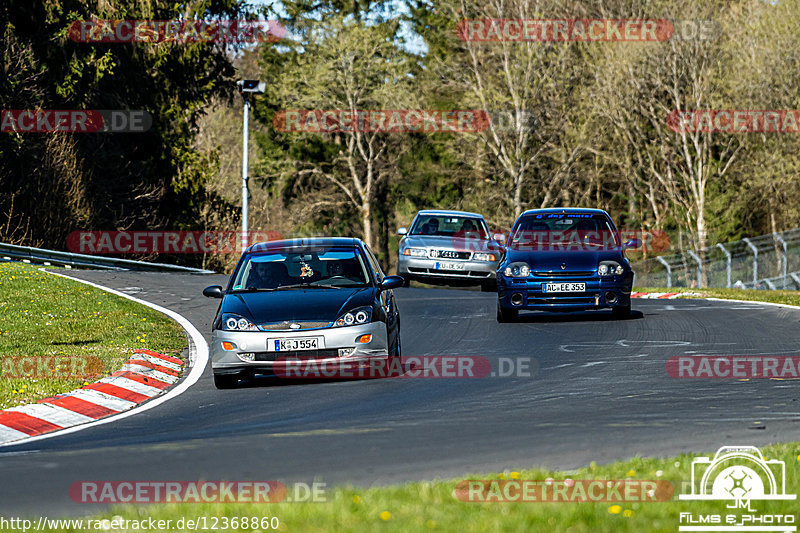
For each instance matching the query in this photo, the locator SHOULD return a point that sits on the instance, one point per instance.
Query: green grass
(432, 506)
(778, 297)
(42, 315)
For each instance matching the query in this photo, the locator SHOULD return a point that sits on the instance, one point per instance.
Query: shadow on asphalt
(544, 317)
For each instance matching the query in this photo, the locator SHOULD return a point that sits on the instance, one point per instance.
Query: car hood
(316, 305)
(570, 260)
(441, 242)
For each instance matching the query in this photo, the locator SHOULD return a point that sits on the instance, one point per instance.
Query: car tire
(394, 359)
(226, 381)
(506, 315)
(489, 286)
(621, 313)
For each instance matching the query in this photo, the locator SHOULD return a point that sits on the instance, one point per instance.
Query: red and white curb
(145, 375)
(661, 295)
(147, 380)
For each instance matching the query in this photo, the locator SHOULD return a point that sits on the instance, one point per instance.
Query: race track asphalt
(600, 393)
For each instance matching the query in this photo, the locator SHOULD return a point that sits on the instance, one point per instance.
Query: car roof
(565, 210)
(448, 212)
(304, 242)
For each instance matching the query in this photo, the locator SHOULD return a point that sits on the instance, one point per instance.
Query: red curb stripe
(140, 378)
(168, 358)
(637, 294)
(26, 423)
(150, 364)
(81, 406)
(669, 294)
(118, 392)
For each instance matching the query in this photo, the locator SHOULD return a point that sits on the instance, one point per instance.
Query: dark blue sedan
(323, 301)
(564, 259)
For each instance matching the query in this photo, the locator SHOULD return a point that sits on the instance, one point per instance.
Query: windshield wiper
(307, 286)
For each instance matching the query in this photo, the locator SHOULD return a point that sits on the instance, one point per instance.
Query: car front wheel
(621, 313)
(506, 315)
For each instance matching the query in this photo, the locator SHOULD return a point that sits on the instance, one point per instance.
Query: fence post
(727, 265)
(778, 238)
(669, 270)
(755, 260)
(699, 268)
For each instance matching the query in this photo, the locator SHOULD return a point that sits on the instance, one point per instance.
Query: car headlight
(517, 270)
(481, 256)
(416, 252)
(232, 322)
(355, 317)
(610, 268)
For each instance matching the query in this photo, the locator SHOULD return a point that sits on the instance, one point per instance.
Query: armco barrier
(41, 255)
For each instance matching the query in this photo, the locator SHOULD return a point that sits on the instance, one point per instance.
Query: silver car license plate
(295, 344)
(564, 287)
(449, 266)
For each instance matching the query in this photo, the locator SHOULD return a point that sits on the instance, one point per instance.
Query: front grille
(587, 300)
(306, 355)
(449, 254)
(287, 325)
(563, 273)
(440, 272)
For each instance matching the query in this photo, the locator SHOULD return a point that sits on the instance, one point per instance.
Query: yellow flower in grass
(357, 499)
(385, 515)
(627, 513)
(631, 473)
(614, 509)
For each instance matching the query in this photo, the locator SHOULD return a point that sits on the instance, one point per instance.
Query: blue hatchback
(564, 259)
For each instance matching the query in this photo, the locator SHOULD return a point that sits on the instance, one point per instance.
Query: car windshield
(333, 267)
(451, 226)
(564, 231)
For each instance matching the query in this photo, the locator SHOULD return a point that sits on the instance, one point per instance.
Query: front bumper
(601, 293)
(228, 362)
(422, 267)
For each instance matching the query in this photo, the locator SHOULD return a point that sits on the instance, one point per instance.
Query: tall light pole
(246, 88)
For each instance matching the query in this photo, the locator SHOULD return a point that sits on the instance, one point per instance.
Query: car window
(334, 266)
(451, 226)
(376, 267)
(561, 229)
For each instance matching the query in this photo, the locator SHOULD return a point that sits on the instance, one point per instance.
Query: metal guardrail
(41, 255)
(770, 261)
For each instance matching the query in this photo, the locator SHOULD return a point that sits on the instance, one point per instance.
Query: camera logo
(737, 475)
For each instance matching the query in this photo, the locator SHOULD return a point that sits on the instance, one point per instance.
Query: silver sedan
(449, 247)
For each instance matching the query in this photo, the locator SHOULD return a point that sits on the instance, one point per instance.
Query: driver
(335, 269)
(267, 275)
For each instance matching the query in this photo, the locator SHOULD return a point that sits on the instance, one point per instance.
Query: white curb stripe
(103, 400)
(131, 385)
(149, 372)
(53, 414)
(157, 361)
(7, 434)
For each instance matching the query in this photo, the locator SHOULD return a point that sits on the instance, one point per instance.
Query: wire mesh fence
(769, 262)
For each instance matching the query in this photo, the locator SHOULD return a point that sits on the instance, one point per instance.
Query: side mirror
(214, 291)
(402, 231)
(391, 282)
(632, 243)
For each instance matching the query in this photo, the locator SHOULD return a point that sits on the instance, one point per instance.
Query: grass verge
(432, 506)
(46, 316)
(777, 297)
